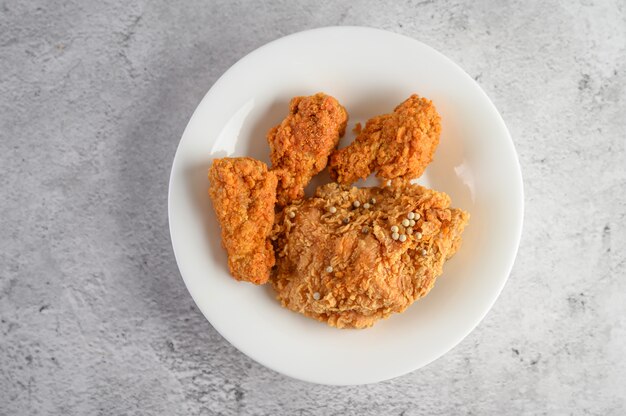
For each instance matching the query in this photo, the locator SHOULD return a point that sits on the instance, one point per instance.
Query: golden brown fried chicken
(301, 144)
(396, 145)
(243, 192)
(346, 265)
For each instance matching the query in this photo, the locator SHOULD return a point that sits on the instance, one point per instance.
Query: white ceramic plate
(369, 71)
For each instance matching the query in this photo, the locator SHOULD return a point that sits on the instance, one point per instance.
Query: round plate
(369, 71)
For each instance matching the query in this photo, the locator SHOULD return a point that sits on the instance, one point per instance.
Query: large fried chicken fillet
(343, 265)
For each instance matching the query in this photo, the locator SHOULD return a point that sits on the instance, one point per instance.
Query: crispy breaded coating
(396, 145)
(301, 144)
(243, 192)
(340, 264)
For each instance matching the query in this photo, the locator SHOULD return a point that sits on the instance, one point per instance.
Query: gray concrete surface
(94, 318)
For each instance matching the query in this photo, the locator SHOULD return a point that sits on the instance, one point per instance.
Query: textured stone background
(94, 318)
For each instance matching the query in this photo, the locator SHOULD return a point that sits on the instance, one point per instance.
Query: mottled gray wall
(94, 318)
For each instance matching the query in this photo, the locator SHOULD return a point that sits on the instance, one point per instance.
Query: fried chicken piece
(341, 265)
(301, 144)
(396, 145)
(243, 192)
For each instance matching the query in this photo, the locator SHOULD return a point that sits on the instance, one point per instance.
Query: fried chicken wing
(301, 144)
(396, 145)
(341, 259)
(243, 192)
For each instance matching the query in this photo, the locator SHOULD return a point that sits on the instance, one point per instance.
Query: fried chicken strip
(343, 266)
(301, 144)
(396, 145)
(243, 192)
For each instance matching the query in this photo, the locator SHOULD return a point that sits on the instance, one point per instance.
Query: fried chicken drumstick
(301, 144)
(243, 192)
(396, 145)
